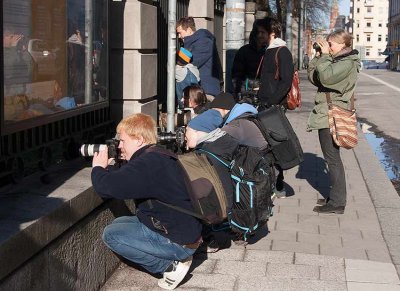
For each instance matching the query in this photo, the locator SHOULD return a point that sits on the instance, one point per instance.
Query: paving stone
(344, 252)
(289, 235)
(318, 260)
(292, 271)
(303, 209)
(365, 244)
(244, 269)
(393, 243)
(327, 240)
(267, 283)
(269, 256)
(298, 247)
(317, 285)
(227, 254)
(379, 255)
(323, 229)
(210, 281)
(357, 286)
(372, 272)
(332, 273)
(389, 219)
(317, 220)
(203, 266)
(303, 227)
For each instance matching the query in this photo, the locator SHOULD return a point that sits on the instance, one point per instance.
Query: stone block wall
(133, 58)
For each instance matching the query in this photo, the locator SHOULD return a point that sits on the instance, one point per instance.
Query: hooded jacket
(205, 57)
(274, 92)
(334, 74)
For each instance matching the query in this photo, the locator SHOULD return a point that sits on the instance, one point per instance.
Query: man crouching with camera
(159, 238)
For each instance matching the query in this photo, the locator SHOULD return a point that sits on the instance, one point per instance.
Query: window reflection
(55, 56)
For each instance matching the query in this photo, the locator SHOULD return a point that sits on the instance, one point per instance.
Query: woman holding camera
(334, 70)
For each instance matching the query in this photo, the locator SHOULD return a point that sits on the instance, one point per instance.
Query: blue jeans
(131, 239)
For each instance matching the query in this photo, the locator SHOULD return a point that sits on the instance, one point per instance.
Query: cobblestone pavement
(359, 250)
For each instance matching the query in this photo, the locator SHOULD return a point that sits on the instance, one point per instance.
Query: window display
(55, 56)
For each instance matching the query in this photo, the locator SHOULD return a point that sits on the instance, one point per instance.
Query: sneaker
(171, 279)
(322, 201)
(328, 208)
(280, 193)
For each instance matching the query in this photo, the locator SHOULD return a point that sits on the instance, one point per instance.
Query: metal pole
(88, 51)
(171, 65)
(289, 24)
(235, 28)
(301, 35)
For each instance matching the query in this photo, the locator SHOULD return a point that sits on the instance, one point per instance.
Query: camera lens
(88, 150)
(316, 46)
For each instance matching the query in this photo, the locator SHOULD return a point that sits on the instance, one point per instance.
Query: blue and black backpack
(253, 178)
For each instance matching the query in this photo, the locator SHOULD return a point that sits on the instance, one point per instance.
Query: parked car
(372, 64)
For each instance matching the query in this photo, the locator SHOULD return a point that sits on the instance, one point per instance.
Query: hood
(348, 54)
(201, 33)
(277, 42)
(212, 136)
(240, 109)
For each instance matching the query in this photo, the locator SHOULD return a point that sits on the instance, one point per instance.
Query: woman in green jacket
(334, 69)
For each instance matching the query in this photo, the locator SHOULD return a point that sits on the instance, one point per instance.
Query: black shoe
(328, 208)
(322, 201)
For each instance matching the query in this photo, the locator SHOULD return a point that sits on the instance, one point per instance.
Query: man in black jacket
(159, 238)
(276, 79)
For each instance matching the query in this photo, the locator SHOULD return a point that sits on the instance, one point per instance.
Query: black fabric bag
(279, 133)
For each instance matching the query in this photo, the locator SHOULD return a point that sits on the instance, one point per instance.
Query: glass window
(368, 38)
(55, 56)
(379, 37)
(368, 24)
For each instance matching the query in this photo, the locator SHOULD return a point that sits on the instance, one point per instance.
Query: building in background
(369, 19)
(393, 44)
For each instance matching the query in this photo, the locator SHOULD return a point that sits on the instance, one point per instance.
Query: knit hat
(184, 56)
(223, 101)
(207, 121)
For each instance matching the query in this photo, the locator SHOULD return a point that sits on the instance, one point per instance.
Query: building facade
(369, 20)
(393, 45)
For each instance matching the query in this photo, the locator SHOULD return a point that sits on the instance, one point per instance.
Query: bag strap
(215, 157)
(259, 66)
(277, 63)
(329, 100)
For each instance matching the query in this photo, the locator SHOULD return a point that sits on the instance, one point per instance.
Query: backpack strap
(214, 156)
(277, 63)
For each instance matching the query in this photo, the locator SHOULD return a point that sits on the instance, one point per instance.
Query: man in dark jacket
(158, 238)
(276, 80)
(202, 45)
(247, 60)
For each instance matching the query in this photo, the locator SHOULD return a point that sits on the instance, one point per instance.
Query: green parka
(334, 74)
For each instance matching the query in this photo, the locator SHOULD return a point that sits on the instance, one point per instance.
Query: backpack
(253, 179)
(294, 96)
(204, 187)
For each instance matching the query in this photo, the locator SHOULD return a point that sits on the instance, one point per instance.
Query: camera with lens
(250, 97)
(88, 150)
(316, 47)
(177, 138)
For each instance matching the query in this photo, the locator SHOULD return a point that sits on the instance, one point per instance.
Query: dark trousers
(331, 152)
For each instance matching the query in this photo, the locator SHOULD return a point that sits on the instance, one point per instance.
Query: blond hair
(341, 36)
(139, 125)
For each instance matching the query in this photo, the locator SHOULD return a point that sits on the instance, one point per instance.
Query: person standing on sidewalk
(273, 91)
(158, 238)
(201, 43)
(334, 69)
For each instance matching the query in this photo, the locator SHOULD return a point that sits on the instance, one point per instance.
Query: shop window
(55, 57)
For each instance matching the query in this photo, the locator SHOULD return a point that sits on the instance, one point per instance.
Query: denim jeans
(131, 239)
(331, 152)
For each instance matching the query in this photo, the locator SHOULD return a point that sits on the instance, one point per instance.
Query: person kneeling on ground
(159, 239)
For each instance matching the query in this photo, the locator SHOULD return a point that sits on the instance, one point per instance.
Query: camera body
(316, 47)
(177, 138)
(250, 97)
(88, 150)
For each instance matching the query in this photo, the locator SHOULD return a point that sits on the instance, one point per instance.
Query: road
(378, 100)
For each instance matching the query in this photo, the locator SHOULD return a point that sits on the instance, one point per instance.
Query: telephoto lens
(88, 150)
(316, 47)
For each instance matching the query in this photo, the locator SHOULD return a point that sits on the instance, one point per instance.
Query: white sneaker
(171, 280)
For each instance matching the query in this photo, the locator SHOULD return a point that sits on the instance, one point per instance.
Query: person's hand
(324, 45)
(15, 39)
(101, 159)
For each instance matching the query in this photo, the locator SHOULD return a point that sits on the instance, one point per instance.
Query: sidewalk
(359, 250)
